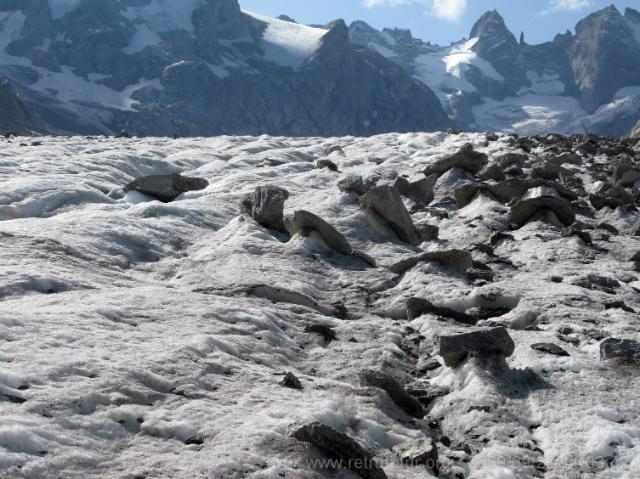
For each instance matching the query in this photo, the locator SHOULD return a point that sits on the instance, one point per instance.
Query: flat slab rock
(386, 382)
(489, 342)
(549, 348)
(340, 447)
(458, 260)
(303, 220)
(536, 199)
(466, 158)
(166, 188)
(384, 203)
(620, 351)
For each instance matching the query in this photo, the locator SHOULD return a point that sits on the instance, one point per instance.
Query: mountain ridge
(207, 67)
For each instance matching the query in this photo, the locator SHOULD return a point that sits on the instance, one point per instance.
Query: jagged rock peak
(491, 24)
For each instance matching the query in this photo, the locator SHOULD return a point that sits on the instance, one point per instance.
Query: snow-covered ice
(134, 342)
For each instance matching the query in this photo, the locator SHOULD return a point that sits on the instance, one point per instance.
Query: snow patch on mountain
(286, 43)
(161, 16)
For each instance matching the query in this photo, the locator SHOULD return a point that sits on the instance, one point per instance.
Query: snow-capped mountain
(201, 67)
(589, 81)
(206, 67)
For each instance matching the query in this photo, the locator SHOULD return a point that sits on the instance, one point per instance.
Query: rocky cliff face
(589, 81)
(15, 117)
(202, 67)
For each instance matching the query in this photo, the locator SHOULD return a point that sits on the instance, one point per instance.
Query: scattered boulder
(302, 220)
(340, 447)
(428, 232)
(489, 342)
(536, 199)
(427, 393)
(329, 334)
(266, 206)
(291, 381)
(354, 184)
(386, 382)
(466, 158)
(610, 196)
(549, 348)
(416, 307)
(383, 204)
(422, 452)
(458, 260)
(328, 164)
(166, 188)
(626, 174)
(420, 191)
(492, 172)
(620, 351)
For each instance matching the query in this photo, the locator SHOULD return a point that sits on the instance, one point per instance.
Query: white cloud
(449, 10)
(568, 5)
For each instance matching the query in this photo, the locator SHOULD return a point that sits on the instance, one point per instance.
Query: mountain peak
(491, 22)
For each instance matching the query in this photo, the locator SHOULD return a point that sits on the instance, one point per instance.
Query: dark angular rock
(550, 348)
(328, 164)
(355, 184)
(420, 191)
(620, 351)
(342, 448)
(466, 158)
(303, 220)
(386, 382)
(291, 381)
(384, 204)
(538, 198)
(489, 342)
(329, 334)
(458, 260)
(266, 206)
(416, 307)
(166, 188)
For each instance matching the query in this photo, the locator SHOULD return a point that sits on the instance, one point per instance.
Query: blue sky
(442, 21)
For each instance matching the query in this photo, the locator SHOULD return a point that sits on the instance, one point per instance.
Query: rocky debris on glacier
(304, 221)
(423, 452)
(490, 329)
(385, 209)
(482, 343)
(266, 206)
(620, 351)
(386, 382)
(341, 447)
(166, 188)
(466, 159)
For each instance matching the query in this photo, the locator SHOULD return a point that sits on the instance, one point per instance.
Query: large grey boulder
(166, 188)
(386, 382)
(420, 191)
(466, 158)
(383, 204)
(458, 260)
(485, 343)
(620, 351)
(302, 220)
(355, 184)
(342, 448)
(538, 198)
(266, 206)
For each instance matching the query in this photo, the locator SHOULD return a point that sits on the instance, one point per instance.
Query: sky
(442, 21)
